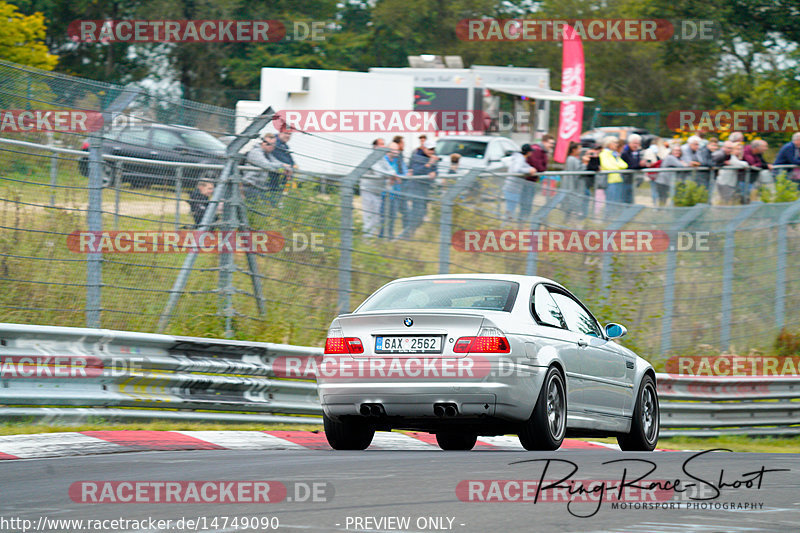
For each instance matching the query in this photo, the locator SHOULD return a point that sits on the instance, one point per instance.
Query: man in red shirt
(537, 157)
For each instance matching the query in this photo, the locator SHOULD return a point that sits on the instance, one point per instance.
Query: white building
(396, 89)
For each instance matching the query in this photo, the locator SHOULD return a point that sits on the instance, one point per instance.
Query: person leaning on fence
(664, 180)
(695, 155)
(760, 170)
(518, 188)
(423, 165)
(267, 183)
(578, 185)
(728, 175)
(633, 155)
(393, 198)
(372, 187)
(610, 160)
(789, 154)
(538, 157)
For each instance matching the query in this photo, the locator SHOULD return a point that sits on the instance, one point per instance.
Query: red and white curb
(101, 442)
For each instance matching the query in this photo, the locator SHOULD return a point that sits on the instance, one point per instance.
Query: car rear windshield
(475, 149)
(487, 294)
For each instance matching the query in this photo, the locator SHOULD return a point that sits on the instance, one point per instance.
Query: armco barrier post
(94, 277)
(347, 184)
(672, 261)
(727, 273)
(780, 271)
(446, 217)
(537, 219)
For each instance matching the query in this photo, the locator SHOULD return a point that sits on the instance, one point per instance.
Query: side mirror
(615, 331)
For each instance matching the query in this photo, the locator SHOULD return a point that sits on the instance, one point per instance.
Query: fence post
(178, 194)
(446, 216)
(347, 184)
(727, 273)
(232, 157)
(116, 176)
(94, 216)
(225, 287)
(669, 284)
(541, 214)
(605, 272)
(780, 273)
(53, 178)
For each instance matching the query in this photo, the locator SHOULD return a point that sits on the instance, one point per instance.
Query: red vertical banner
(572, 82)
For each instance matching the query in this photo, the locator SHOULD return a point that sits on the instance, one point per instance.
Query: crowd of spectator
(398, 189)
(736, 168)
(395, 189)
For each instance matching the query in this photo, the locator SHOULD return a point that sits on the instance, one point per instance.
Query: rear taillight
(489, 340)
(342, 345)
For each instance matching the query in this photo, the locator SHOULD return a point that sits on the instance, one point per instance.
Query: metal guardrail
(713, 406)
(79, 373)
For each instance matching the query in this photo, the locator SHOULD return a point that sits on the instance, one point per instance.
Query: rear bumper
(510, 398)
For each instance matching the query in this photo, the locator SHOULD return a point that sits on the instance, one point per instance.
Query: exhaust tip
(450, 410)
(376, 410)
(438, 410)
(365, 410)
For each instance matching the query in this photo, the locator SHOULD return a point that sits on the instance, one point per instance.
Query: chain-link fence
(75, 205)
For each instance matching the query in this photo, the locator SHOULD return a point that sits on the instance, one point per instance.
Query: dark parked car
(158, 142)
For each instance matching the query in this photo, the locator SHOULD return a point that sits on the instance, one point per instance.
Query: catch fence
(723, 276)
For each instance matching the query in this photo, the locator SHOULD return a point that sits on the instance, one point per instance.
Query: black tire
(646, 421)
(348, 433)
(546, 427)
(450, 440)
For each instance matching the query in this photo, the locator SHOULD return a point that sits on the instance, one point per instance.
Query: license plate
(408, 345)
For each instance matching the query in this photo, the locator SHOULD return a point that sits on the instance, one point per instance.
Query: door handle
(582, 344)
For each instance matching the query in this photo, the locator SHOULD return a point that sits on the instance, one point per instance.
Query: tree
(22, 38)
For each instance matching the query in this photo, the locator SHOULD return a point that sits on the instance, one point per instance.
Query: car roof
(519, 278)
(482, 138)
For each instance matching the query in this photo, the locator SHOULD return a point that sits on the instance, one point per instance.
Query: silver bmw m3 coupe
(463, 355)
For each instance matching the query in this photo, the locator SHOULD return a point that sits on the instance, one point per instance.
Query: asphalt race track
(376, 490)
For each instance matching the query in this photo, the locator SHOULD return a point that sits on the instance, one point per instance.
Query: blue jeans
(627, 193)
(614, 192)
(392, 202)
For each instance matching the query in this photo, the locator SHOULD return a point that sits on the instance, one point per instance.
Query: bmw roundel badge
(408, 322)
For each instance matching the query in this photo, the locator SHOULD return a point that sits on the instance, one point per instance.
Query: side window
(544, 308)
(135, 136)
(165, 140)
(576, 317)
